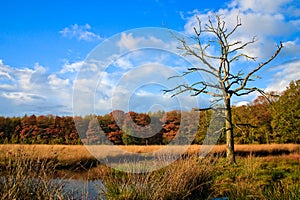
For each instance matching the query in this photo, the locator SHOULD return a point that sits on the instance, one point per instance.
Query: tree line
(275, 119)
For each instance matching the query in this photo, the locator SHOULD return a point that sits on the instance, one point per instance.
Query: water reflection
(69, 188)
(82, 189)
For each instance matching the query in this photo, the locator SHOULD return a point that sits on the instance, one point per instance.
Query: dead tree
(229, 82)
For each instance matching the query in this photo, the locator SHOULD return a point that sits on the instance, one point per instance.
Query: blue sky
(43, 45)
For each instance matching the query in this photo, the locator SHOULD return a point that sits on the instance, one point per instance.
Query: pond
(73, 188)
(82, 189)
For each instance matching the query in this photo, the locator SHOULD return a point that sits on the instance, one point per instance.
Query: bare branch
(243, 45)
(244, 93)
(258, 68)
(236, 80)
(216, 86)
(202, 109)
(242, 55)
(201, 57)
(184, 88)
(216, 33)
(191, 70)
(265, 95)
(238, 23)
(235, 43)
(244, 124)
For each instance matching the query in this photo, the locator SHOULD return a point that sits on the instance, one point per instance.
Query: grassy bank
(263, 172)
(274, 177)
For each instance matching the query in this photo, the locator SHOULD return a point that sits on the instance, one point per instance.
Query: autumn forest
(275, 119)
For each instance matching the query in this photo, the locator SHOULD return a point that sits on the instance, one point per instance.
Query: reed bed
(80, 152)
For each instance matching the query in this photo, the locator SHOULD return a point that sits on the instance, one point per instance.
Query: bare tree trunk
(229, 132)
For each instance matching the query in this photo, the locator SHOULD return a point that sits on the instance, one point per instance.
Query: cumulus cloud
(4, 74)
(266, 6)
(33, 90)
(80, 32)
(284, 74)
(291, 48)
(140, 88)
(56, 82)
(267, 20)
(129, 41)
(22, 96)
(72, 67)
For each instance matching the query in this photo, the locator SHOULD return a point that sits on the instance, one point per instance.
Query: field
(262, 172)
(77, 153)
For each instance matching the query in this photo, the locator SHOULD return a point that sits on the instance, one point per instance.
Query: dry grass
(253, 149)
(74, 153)
(25, 178)
(59, 152)
(184, 179)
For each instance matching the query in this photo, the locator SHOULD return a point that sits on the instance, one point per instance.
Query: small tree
(228, 81)
(286, 115)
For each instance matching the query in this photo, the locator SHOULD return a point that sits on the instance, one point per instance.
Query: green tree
(128, 139)
(204, 121)
(286, 115)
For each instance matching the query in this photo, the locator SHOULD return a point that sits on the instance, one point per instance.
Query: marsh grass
(281, 191)
(70, 154)
(190, 178)
(25, 178)
(274, 177)
(29, 172)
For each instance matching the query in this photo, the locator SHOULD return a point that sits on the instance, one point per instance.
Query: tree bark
(229, 132)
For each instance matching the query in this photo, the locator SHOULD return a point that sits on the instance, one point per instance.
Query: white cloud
(80, 32)
(291, 48)
(7, 87)
(129, 41)
(139, 89)
(267, 20)
(72, 67)
(57, 83)
(266, 6)
(33, 91)
(242, 103)
(5, 75)
(123, 63)
(286, 73)
(22, 96)
(26, 79)
(85, 85)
